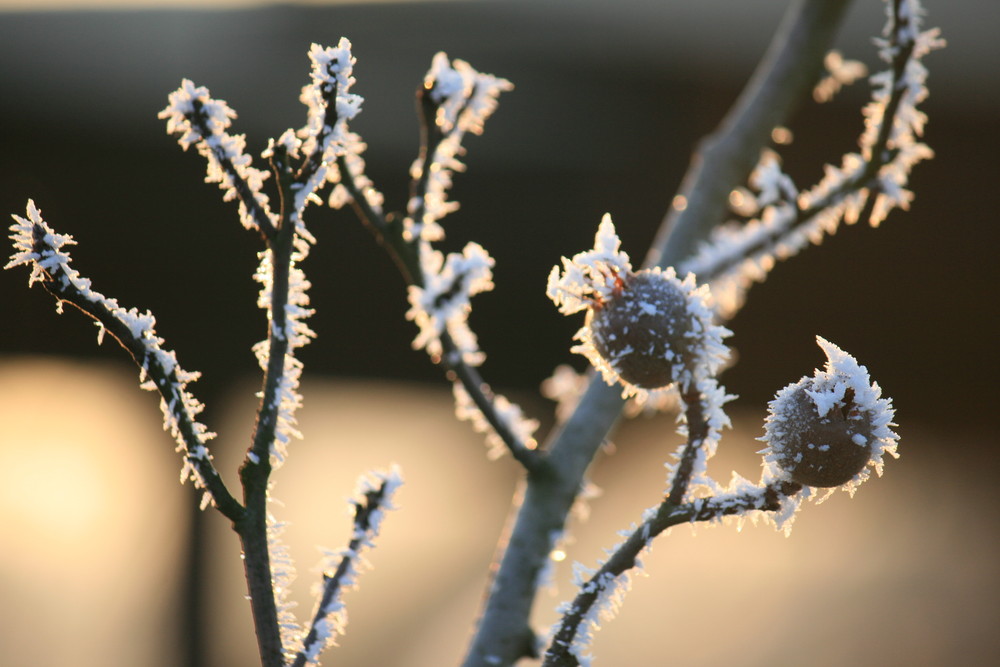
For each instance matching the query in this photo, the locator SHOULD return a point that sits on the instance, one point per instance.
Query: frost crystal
(841, 73)
(442, 304)
(202, 121)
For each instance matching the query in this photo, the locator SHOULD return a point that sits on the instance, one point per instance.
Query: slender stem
(389, 234)
(143, 350)
(767, 499)
(333, 584)
(482, 396)
(697, 428)
(256, 469)
(243, 191)
(503, 634)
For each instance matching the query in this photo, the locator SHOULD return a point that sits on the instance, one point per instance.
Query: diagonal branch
(601, 593)
(42, 248)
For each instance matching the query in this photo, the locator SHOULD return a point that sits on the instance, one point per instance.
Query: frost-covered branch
(202, 121)
(37, 245)
(374, 498)
(455, 99)
(302, 162)
(603, 590)
(865, 187)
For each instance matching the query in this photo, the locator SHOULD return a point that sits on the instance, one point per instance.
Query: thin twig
(365, 528)
(563, 651)
(697, 432)
(243, 190)
(405, 255)
(146, 350)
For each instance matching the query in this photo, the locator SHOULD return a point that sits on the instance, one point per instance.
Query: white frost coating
(282, 576)
(591, 276)
(737, 256)
(202, 121)
(464, 99)
(840, 73)
(508, 413)
(326, 131)
(611, 591)
(295, 331)
(442, 304)
(342, 567)
(37, 245)
(595, 276)
(827, 389)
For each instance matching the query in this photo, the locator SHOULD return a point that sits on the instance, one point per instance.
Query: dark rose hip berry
(642, 330)
(821, 451)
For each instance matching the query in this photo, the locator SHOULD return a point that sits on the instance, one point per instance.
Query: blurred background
(610, 100)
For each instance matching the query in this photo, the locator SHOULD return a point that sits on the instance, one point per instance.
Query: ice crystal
(442, 304)
(840, 72)
(202, 121)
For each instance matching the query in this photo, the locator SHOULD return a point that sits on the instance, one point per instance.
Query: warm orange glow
(782, 136)
(91, 512)
(680, 203)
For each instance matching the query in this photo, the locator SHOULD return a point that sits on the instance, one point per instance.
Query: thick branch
(791, 66)
(789, 70)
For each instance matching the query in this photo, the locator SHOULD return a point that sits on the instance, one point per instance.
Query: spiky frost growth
(202, 121)
(331, 105)
(831, 430)
(41, 248)
(510, 414)
(293, 333)
(442, 304)
(373, 497)
(866, 186)
(456, 99)
(840, 72)
(645, 329)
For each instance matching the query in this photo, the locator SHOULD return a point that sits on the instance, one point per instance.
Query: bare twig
(41, 247)
(610, 580)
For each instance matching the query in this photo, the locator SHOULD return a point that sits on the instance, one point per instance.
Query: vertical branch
(256, 469)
